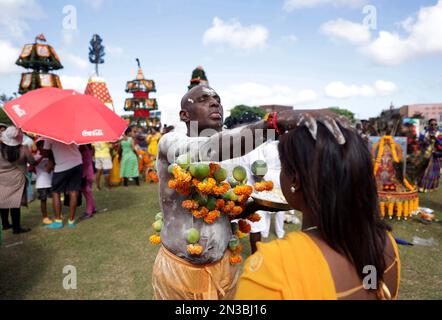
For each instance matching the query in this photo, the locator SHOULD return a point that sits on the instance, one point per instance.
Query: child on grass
(43, 171)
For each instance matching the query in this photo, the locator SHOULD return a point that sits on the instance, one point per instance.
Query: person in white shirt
(67, 178)
(43, 183)
(267, 152)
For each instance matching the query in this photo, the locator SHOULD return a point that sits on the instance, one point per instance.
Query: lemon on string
(259, 168)
(157, 225)
(199, 170)
(159, 216)
(183, 161)
(193, 236)
(220, 175)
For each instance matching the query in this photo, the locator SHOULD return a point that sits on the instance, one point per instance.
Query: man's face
(205, 107)
(433, 125)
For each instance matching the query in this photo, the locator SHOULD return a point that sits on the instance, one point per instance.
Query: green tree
(242, 114)
(3, 117)
(344, 112)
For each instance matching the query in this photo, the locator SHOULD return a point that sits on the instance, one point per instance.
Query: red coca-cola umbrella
(66, 116)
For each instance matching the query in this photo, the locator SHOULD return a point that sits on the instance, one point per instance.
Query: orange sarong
(174, 278)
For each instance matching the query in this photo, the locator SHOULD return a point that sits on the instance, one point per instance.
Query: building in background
(428, 111)
(274, 108)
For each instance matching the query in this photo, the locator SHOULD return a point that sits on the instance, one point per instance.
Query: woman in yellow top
(344, 250)
(152, 141)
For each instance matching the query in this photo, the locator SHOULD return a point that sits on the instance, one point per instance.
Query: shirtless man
(177, 274)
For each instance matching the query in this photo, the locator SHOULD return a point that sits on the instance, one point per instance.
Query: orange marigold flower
(254, 217)
(221, 189)
(235, 259)
(213, 167)
(269, 185)
(171, 184)
(212, 216)
(237, 210)
(200, 213)
(190, 204)
(259, 186)
(220, 203)
(244, 226)
(155, 239)
(195, 249)
(229, 206)
(195, 182)
(243, 190)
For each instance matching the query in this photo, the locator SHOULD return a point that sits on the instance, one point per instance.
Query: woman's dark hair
(431, 120)
(340, 189)
(129, 129)
(9, 153)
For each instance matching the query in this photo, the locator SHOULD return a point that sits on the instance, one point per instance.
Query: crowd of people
(66, 173)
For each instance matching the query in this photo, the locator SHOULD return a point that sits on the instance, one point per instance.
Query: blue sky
(306, 53)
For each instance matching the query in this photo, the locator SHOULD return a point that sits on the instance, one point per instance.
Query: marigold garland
(244, 226)
(264, 186)
(381, 151)
(200, 213)
(254, 217)
(235, 259)
(245, 190)
(190, 204)
(213, 168)
(212, 216)
(408, 185)
(155, 239)
(220, 204)
(195, 249)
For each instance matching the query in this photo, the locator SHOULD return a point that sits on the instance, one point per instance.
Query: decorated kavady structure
(198, 78)
(398, 197)
(41, 58)
(96, 85)
(142, 106)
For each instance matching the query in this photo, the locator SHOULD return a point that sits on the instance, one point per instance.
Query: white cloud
(422, 37)
(340, 90)
(354, 33)
(291, 5)
(69, 36)
(232, 33)
(15, 13)
(9, 54)
(73, 82)
(76, 61)
(170, 105)
(256, 94)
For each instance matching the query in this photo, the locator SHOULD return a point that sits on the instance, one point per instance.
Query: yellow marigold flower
(155, 239)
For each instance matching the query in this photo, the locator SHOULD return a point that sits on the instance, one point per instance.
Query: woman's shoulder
(290, 252)
(290, 266)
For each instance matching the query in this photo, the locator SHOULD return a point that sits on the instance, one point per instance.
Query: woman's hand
(292, 119)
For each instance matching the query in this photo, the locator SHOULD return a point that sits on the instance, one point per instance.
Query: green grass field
(114, 258)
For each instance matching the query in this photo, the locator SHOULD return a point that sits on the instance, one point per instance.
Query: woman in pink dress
(88, 179)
